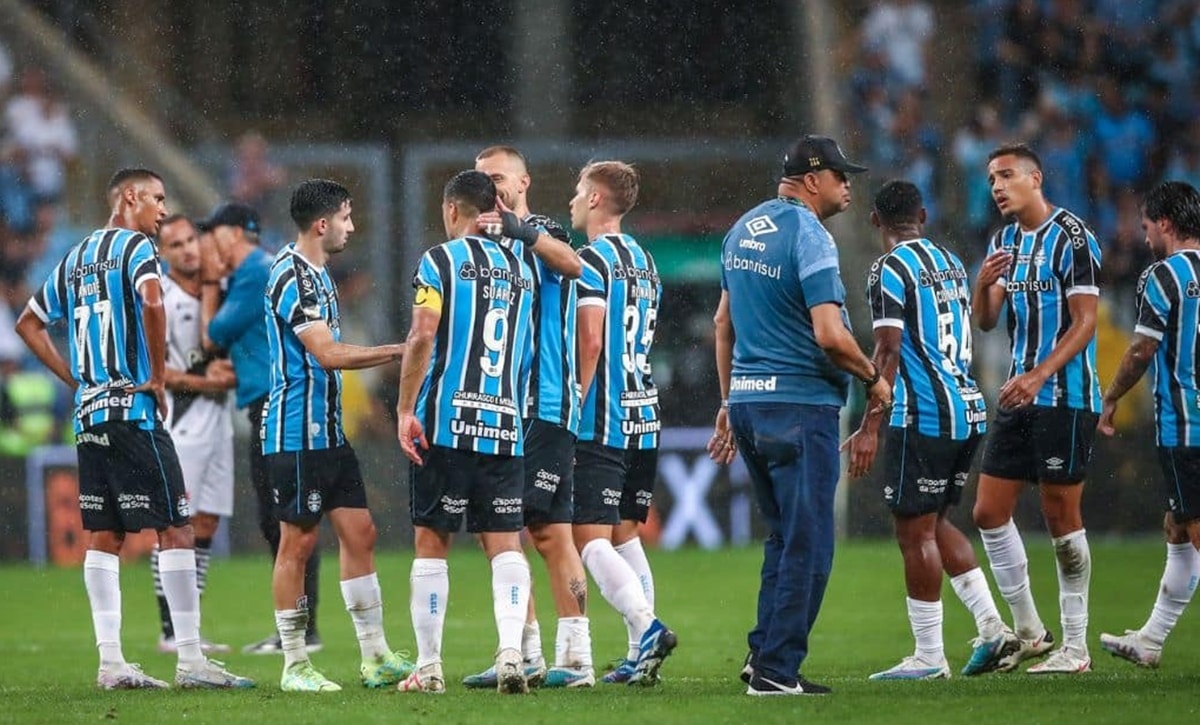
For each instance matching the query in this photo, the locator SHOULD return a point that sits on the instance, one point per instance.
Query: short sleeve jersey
(1168, 310)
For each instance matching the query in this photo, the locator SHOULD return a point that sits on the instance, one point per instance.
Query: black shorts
(1181, 482)
(1041, 444)
(306, 484)
(487, 488)
(641, 472)
(549, 473)
(129, 478)
(925, 474)
(599, 482)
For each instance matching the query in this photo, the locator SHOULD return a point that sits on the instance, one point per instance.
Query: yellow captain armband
(429, 298)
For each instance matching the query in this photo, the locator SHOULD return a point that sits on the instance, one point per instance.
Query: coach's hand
(863, 445)
(411, 434)
(721, 447)
(879, 397)
(1105, 424)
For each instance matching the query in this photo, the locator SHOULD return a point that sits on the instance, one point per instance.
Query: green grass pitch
(48, 662)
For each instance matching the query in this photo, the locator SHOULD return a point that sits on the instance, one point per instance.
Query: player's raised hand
(1105, 424)
(722, 447)
(862, 445)
(993, 268)
(411, 434)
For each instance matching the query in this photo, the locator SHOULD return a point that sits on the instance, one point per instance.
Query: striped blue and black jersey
(96, 287)
(474, 393)
(1169, 311)
(620, 409)
(921, 288)
(1050, 264)
(553, 386)
(304, 407)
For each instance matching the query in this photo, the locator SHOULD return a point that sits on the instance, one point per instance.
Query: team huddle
(782, 393)
(526, 402)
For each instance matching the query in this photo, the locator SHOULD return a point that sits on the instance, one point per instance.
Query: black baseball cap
(817, 153)
(232, 214)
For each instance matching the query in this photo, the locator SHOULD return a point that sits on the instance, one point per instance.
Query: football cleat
(510, 673)
(127, 676)
(387, 670)
(620, 674)
(1132, 646)
(427, 678)
(657, 644)
(211, 675)
(535, 672)
(1029, 649)
(569, 677)
(1063, 661)
(914, 668)
(986, 654)
(765, 687)
(303, 677)
(748, 668)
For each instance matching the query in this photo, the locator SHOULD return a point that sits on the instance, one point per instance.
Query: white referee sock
(364, 601)
(972, 589)
(430, 583)
(573, 643)
(1174, 592)
(102, 579)
(510, 597)
(531, 642)
(178, 570)
(634, 555)
(1074, 564)
(925, 618)
(618, 583)
(1010, 567)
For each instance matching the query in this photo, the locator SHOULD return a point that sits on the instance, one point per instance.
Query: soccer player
(199, 417)
(1045, 266)
(921, 306)
(463, 384)
(107, 288)
(784, 354)
(619, 296)
(551, 425)
(312, 468)
(237, 325)
(1165, 341)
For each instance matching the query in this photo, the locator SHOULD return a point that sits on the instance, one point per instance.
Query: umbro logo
(1055, 463)
(761, 225)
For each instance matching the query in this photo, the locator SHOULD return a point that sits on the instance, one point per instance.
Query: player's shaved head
(899, 202)
(505, 151)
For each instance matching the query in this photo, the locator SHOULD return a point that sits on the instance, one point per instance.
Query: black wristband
(870, 382)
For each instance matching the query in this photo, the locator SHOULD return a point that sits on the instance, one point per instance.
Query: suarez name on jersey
(1169, 311)
(96, 287)
(473, 396)
(304, 407)
(921, 288)
(620, 409)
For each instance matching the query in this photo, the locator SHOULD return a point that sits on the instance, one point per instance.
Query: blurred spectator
(1125, 257)
(6, 71)
(1019, 58)
(252, 176)
(1124, 138)
(41, 136)
(899, 30)
(972, 144)
(1064, 152)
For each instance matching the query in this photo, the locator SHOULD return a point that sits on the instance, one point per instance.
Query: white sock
(1010, 567)
(1174, 592)
(1074, 565)
(102, 579)
(573, 643)
(178, 570)
(364, 601)
(618, 583)
(291, 625)
(430, 582)
(925, 618)
(972, 589)
(633, 553)
(531, 642)
(510, 597)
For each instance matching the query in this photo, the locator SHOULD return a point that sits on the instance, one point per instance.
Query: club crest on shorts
(183, 507)
(314, 501)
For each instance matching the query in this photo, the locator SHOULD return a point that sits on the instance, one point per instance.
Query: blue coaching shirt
(95, 287)
(921, 288)
(304, 407)
(474, 393)
(777, 262)
(620, 409)
(241, 328)
(1169, 311)
(1059, 259)
(553, 382)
